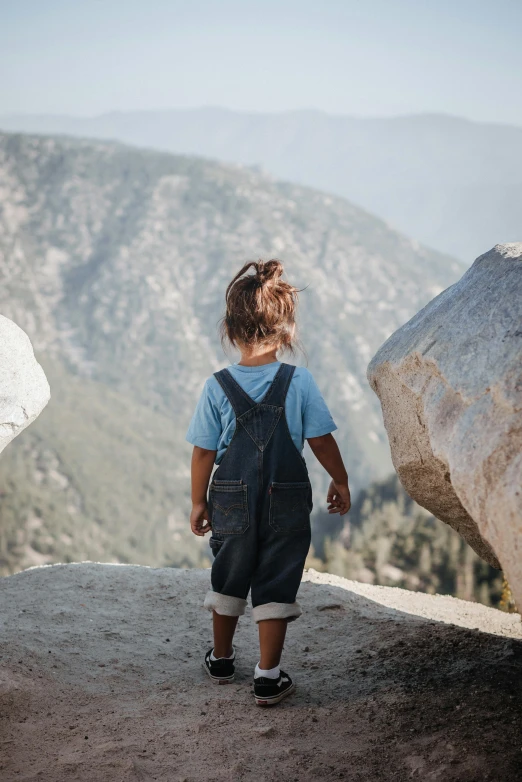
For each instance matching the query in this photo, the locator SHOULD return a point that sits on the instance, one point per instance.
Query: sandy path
(101, 681)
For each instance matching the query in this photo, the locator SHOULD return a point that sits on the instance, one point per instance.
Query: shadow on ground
(101, 680)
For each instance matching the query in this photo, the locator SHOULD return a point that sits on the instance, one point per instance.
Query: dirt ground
(101, 681)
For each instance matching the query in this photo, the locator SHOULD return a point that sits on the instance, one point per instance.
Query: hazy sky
(369, 57)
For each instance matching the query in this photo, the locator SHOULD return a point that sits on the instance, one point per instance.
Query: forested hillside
(388, 539)
(99, 477)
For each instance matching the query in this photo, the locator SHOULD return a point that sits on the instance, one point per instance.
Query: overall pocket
(290, 506)
(228, 507)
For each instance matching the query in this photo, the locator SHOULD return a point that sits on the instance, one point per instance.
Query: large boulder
(450, 385)
(24, 390)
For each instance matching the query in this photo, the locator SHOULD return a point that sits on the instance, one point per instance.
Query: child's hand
(199, 519)
(338, 499)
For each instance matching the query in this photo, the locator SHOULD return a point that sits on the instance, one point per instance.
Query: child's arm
(327, 452)
(201, 470)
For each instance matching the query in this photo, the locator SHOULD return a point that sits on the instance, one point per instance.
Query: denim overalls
(260, 499)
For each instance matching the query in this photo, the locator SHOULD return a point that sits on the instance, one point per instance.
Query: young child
(252, 420)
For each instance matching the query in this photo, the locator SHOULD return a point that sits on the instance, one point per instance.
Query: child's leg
(271, 684)
(224, 629)
(272, 634)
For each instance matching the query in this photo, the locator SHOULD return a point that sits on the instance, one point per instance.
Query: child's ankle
(267, 673)
(227, 656)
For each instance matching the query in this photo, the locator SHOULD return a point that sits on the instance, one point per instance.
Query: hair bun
(269, 271)
(260, 307)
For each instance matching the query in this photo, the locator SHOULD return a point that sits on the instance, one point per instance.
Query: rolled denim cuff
(224, 604)
(289, 611)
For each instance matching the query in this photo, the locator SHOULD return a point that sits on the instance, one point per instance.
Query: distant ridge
(452, 183)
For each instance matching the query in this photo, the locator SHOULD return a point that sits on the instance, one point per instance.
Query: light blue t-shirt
(213, 423)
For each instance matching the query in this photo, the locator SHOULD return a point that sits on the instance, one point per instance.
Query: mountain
(452, 184)
(115, 262)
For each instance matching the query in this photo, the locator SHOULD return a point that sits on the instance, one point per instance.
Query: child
(252, 420)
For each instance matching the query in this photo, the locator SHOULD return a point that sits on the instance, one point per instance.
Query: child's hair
(260, 307)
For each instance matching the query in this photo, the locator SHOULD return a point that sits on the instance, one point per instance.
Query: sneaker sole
(218, 679)
(275, 698)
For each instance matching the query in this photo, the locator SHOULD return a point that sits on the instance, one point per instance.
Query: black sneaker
(220, 671)
(268, 692)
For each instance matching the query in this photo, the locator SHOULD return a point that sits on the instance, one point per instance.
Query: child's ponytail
(260, 307)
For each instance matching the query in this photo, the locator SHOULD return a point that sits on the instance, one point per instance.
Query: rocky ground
(101, 681)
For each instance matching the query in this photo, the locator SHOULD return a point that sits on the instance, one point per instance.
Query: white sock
(222, 658)
(271, 673)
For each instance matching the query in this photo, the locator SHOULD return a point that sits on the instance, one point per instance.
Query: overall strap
(276, 394)
(239, 399)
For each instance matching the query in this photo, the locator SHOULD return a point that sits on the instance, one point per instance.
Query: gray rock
(450, 386)
(24, 390)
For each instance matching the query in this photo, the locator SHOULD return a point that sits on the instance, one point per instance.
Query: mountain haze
(115, 261)
(453, 184)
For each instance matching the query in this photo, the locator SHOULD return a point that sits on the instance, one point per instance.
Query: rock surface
(24, 390)
(450, 385)
(101, 679)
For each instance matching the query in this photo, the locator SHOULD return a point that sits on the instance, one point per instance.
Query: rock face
(24, 390)
(450, 385)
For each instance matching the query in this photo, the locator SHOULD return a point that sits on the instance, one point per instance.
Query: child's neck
(257, 358)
